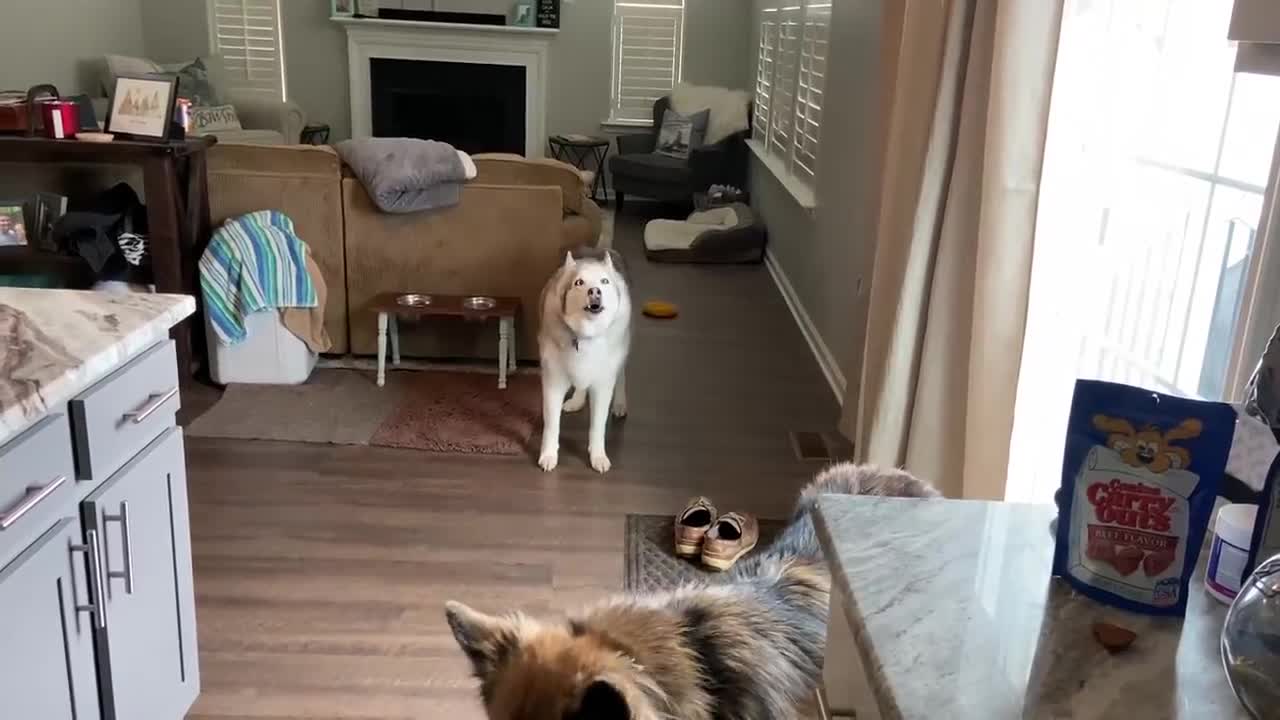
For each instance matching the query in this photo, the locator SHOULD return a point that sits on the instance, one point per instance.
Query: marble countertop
(952, 606)
(55, 343)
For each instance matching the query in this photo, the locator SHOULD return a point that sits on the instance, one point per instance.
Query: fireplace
(474, 107)
(481, 88)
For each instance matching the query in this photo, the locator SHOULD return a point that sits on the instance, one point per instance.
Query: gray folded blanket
(405, 175)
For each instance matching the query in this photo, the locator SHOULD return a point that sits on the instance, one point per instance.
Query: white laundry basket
(269, 354)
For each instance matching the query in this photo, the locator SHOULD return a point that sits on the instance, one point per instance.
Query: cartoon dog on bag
(583, 343)
(1149, 447)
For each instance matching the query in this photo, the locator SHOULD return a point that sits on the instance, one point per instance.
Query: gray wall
(176, 30)
(62, 41)
(315, 54)
(827, 253)
(716, 48)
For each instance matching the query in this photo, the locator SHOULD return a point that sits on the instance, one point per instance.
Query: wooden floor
(321, 571)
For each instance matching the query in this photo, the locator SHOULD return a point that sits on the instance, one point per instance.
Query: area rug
(651, 562)
(342, 407)
(463, 413)
(439, 411)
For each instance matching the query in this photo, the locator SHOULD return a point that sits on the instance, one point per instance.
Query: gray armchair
(638, 170)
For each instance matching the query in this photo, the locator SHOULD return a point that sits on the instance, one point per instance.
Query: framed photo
(13, 230)
(522, 14)
(342, 8)
(142, 106)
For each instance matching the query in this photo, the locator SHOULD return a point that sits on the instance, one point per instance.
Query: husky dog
(583, 342)
(750, 649)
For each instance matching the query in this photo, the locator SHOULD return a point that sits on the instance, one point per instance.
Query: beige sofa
(509, 232)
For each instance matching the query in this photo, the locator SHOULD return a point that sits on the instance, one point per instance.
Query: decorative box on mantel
(448, 45)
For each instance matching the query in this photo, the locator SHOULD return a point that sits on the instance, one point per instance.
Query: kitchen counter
(97, 601)
(953, 613)
(55, 343)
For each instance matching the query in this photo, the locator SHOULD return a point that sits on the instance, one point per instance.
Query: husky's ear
(608, 259)
(484, 638)
(568, 259)
(602, 701)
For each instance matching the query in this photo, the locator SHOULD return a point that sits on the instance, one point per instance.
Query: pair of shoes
(721, 540)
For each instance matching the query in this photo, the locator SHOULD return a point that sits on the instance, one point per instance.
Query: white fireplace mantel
(449, 42)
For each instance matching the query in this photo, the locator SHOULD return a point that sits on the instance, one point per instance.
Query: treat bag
(1140, 474)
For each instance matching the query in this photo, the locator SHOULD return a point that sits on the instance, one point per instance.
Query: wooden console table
(176, 190)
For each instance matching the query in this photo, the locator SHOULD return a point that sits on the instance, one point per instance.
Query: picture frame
(522, 14)
(342, 8)
(141, 107)
(13, 227)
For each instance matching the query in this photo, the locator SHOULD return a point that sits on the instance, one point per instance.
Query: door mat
(651, 562)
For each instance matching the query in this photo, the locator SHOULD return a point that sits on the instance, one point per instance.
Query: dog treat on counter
(1139, 478)
(1113, 637)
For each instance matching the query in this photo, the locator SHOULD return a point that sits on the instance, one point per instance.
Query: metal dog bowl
(479, 302)
(414, 300)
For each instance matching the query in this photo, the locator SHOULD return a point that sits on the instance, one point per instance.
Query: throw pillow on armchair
(681, 133)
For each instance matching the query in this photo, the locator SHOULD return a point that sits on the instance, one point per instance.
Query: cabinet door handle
(152, 404)
(126, 546)
(34, 495)
(93, 559)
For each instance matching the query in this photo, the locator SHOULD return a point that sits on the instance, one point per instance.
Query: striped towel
(253, 262)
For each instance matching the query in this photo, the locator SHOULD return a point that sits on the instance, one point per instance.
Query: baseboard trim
(821, 353)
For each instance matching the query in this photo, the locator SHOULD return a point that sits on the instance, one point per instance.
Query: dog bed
(726, 234)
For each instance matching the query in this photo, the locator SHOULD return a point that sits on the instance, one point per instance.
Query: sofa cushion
(652, 167)
(508, 169)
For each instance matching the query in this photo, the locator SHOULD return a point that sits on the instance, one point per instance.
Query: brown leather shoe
(732, 536)
(691, 524)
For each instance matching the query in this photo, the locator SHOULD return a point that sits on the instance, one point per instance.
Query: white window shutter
(764, 74)
(809, 93)
(246, 34)
(648, 40)
(786, 62)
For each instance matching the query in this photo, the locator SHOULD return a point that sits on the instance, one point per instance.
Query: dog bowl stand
(390, 308)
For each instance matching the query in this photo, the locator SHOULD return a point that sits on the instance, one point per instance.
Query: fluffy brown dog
(750, 649)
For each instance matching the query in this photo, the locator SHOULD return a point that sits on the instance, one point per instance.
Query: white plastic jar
(1232, 535)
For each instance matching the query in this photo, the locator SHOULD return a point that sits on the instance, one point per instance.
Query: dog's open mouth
(594, 309)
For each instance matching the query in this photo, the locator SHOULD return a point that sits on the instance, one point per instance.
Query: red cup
(61, 119)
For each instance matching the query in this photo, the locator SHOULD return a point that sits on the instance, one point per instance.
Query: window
(648, 42)
(791, 69)
(1155, 169)
(246, 33)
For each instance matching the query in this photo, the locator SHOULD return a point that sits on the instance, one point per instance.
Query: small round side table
(577, 150)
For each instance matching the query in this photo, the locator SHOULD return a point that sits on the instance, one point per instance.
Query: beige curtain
(966, 107)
